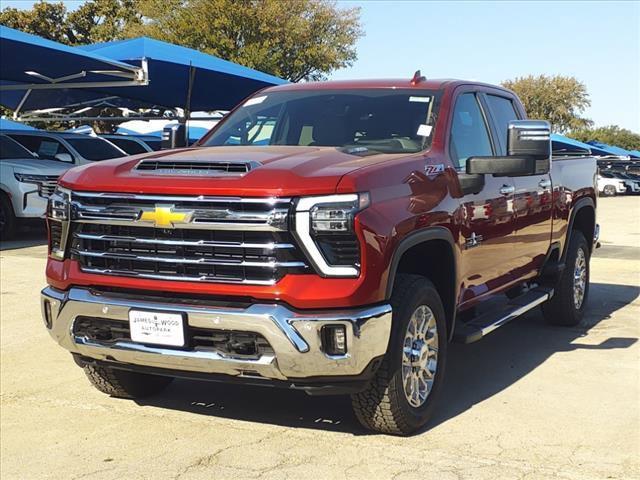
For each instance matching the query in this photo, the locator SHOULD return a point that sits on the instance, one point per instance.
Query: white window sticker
(255, 101)
(420, 99)
(424, 130)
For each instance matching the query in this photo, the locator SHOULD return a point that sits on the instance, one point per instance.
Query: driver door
(487, 219)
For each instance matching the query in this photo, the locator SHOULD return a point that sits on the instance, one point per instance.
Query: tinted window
(45, 147)
(154, 144)
(130, 146)
(93, 148)
(376, 120)
(503, 112)
(11, 149)
(469, 135)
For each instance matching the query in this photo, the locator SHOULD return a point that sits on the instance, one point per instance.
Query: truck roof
(427, 84)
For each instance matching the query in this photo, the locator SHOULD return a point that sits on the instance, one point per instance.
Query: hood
(274, 171)
(37, 166)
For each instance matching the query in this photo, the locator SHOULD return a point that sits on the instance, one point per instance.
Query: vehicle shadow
(26, 236)
(474, 373)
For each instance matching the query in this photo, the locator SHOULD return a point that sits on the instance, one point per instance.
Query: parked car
(134, 144)
(609, 186)
(340, 255)
(632, 184)
(26, 182)
(72, 148)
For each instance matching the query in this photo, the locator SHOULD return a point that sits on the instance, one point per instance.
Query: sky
(596, 42)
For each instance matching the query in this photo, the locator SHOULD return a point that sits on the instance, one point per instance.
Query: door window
(503, 112)
(469, 134)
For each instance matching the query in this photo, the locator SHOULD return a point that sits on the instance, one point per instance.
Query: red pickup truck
(331, 237)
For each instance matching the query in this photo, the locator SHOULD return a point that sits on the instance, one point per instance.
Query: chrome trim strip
(187, 261)
(220, 219)
(515, 313)
(181, 198)
(293, 335)
(194, 243)
(176, 278)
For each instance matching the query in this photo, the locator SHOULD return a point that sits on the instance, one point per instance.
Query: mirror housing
(64, 157)
(528, 152)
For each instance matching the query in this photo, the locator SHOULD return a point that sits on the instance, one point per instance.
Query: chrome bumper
(293, 335)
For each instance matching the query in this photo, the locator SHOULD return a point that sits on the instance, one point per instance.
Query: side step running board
(490, 321)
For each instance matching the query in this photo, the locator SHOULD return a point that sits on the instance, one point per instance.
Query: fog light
(47, 314)
(334, 339)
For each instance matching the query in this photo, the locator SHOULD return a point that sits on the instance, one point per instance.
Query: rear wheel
(567, 305)
(609, 191)
(401, 397)
(123, 383)
(7, 218)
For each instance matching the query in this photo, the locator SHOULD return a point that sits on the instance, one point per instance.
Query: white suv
(26, 182)
(609, 187)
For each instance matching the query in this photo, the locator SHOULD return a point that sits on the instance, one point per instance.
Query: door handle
(507, 189)
(545, 183)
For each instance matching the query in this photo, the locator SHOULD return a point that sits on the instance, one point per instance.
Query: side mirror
(528, 152)
(64, 157)
(174, 136)
(529, 138)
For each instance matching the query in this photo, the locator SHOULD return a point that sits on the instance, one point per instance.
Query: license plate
(157, 328)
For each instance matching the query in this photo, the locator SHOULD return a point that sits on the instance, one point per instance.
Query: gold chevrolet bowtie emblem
(163, 216)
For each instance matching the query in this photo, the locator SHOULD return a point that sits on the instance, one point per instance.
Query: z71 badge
(433, 169)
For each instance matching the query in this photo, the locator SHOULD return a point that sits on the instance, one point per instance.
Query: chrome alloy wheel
(579, 279)
(419, 356)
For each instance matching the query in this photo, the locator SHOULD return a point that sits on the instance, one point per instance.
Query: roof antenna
(417, 78)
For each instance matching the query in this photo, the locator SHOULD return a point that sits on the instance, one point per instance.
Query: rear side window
(503, 112)
(45, 147)
(469, 134)
(93, 148)
(130, 146)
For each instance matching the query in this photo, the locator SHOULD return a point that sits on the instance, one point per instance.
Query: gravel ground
(530, 400)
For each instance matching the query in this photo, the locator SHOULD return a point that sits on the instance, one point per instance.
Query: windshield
(376, 120)
(10, 149)
(92, 148)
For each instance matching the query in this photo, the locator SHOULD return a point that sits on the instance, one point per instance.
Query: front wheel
(401, 397)
(609, 191)
(123, 383)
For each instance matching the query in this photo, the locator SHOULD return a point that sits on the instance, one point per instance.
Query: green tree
(611, 135)
(94, 21)
(557, 99)
(292, 39)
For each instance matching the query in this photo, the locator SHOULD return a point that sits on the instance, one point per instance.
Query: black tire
(383, 406)
(7, 218)
(561, 309)
(125, 384)
(609, 191)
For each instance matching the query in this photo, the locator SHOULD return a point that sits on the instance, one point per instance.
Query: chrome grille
(47, 187)
(201, 239)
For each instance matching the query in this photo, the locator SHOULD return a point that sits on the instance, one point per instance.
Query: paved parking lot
(530, 401)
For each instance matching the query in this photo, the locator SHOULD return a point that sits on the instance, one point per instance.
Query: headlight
(58, 214)
(29, 178)
(325, 230)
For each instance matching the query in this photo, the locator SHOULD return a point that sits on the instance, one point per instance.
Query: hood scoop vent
(197, 168)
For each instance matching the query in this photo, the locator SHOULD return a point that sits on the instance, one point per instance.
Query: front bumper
(293, 335)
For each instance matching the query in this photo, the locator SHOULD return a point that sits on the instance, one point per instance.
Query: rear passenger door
(487, 222)
(532, 199)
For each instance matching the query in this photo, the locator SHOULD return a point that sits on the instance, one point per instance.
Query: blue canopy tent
(183, 77)
(620, 152)
(6, 124)
(561, 144)
(179, 77)
(40, 73)
(634, 153)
